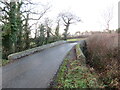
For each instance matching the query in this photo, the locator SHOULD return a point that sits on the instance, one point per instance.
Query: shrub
(103, 56)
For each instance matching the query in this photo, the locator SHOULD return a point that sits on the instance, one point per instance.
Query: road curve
(35, 71)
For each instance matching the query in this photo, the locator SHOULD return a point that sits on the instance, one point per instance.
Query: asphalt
(35, 71)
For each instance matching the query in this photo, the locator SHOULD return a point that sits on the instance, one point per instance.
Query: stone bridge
(35, 68)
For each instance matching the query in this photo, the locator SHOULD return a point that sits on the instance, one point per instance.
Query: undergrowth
(103, 57)
(4, 62)
(74, 75)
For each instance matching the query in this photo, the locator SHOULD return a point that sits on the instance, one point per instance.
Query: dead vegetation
(103, 57)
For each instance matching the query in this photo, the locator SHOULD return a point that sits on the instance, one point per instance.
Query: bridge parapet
(21, 54)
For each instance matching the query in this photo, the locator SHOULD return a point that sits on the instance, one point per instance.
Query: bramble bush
(103, 57)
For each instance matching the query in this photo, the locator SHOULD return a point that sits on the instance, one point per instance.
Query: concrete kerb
(18, 55)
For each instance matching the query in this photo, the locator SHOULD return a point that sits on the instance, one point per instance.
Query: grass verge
(4, 62)
(73, 74)
(76, 39)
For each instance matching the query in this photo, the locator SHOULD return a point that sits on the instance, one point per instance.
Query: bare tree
(37, 14)
(68, 18)
(15, 17)
(108, 15)
(30, 12)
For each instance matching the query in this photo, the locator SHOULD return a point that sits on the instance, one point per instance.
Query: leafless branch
(41, 14)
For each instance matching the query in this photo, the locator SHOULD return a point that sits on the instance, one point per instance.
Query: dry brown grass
(103, 56)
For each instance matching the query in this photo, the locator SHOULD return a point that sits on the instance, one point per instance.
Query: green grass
(4, 62)
(74, 75)
(76, 39)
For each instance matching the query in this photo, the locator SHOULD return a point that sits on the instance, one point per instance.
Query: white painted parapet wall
(33, 50)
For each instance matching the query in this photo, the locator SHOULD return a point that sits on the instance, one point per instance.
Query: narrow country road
(35, 71)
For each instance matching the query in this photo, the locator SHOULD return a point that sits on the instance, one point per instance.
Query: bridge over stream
(35, 70)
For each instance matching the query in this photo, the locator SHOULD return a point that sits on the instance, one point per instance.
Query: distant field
(76, 39)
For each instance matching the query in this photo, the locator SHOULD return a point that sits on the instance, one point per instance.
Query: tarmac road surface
(36, 70)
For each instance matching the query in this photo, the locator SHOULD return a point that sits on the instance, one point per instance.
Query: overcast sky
(90, 11)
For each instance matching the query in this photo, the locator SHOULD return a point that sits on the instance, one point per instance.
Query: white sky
(90, 12)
